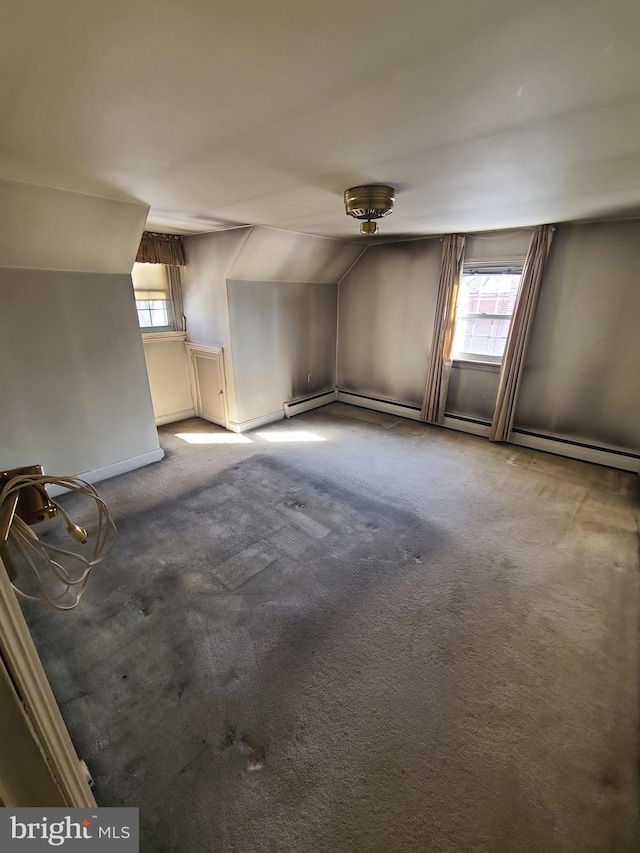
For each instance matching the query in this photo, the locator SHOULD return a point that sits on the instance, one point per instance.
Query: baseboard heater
(570, 449)
(608, 456)
(305, 404)
(463, 423)
(402, 410)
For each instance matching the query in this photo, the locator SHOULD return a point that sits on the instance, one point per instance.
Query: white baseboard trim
(254, 423)
(385, 406)
(98, 474)
(468, 426)
(175, 416)
(297, 407)
(574, 450)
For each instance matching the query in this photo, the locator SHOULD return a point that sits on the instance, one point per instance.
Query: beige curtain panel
(520, 332)
(435, 394)
(175, 288)
(161, 249)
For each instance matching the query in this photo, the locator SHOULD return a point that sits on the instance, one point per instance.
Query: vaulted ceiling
(482, 113)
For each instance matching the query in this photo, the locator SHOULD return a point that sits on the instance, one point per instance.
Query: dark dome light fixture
(372, 201)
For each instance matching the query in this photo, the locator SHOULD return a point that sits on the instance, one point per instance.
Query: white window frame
(480, 268)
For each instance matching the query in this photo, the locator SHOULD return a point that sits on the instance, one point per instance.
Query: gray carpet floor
(395, 638)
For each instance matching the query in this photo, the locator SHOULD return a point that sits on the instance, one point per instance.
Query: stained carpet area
(366, 635)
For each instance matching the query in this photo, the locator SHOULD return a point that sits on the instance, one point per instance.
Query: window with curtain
(153, 297)
(486, 300)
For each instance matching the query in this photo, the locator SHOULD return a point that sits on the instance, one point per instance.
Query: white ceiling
(483, 113)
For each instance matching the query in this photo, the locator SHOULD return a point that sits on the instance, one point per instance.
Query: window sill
(468, 364)
(163, 336)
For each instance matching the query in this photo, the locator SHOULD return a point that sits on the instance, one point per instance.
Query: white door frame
(32, 690)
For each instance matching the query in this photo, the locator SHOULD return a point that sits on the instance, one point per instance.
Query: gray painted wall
(582, 373)
(54, 229)
(385, 324)
(74, 393)
(269, 298)
(473, 389)
(281, 332)
(581, 379)
(273, 255)
(209, 258)
(204, 289)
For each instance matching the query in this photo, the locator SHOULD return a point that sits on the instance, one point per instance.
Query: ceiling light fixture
(372, 201)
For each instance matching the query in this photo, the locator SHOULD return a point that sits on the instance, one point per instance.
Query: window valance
(161, 249)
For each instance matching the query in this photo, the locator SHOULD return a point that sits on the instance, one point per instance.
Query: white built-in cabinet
(206, 368)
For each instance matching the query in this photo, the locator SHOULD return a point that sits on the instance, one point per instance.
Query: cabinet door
(209, 380)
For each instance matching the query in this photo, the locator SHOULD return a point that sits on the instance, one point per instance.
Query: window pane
(479, 294)
(159, 313)
(159, 318)
(152, 314)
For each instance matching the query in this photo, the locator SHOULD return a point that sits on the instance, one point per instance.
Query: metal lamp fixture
(25, 502)
(372, 201)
